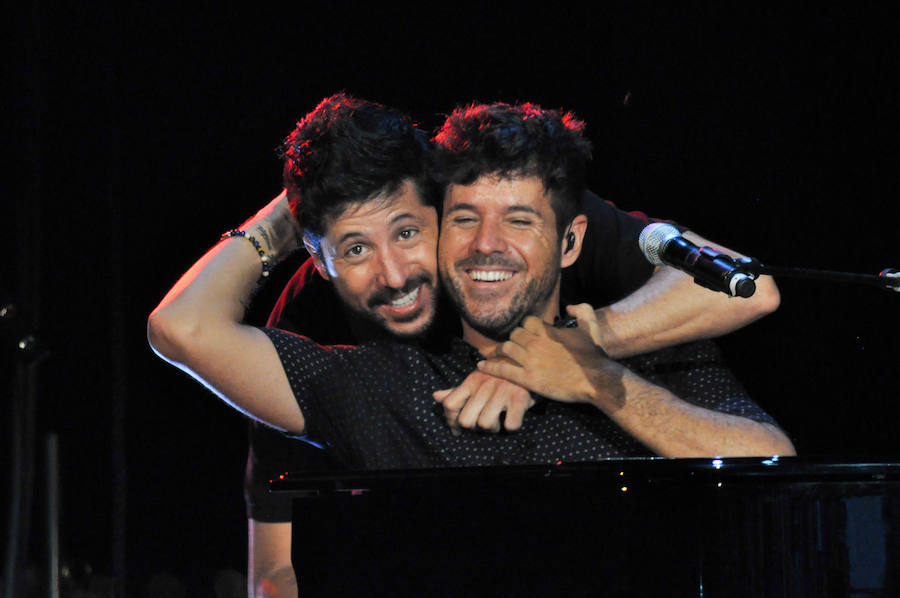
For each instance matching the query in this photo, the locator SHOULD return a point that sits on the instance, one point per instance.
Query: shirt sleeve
(272, 453)
(611, 265)
(332, 389)
(696, 372)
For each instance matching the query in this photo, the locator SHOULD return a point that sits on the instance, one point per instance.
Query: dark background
(137, 134)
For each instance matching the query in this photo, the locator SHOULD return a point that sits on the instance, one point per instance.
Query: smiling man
(498, 253)
(513, 179)
(357, 179)
(380, 257)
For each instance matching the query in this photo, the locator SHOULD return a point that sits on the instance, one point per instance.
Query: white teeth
(406, 299)
(489, 275)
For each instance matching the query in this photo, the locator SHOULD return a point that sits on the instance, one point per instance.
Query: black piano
(755, 527)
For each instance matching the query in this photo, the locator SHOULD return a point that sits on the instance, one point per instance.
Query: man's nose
(393, 268)
(489, 238)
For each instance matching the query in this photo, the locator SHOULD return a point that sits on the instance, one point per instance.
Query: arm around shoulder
(672, 309)
(672, 427)
(565, 366)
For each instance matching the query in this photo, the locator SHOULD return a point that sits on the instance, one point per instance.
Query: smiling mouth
(490, 275)
(407, 299)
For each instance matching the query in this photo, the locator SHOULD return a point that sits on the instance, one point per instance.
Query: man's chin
(408, 327)
(493, 326)
(403, 325)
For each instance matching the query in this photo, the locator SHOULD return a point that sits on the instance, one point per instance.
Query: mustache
(491, 259)
(388, 294)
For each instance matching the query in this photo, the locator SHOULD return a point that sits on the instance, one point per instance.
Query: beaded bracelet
(263, 257)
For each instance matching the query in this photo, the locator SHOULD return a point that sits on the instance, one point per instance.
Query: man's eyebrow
(512, 208)
(354, 233)
(348, 235)
(403, 216)
(522, 208)
(461, 206)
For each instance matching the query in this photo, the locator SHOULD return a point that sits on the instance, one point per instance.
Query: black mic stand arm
(889, 278)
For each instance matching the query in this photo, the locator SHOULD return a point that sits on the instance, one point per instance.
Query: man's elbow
(779, 443)
(767, 296)
(170, 335)
(763, 302)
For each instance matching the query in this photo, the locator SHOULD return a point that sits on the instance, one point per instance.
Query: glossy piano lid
(641, 472)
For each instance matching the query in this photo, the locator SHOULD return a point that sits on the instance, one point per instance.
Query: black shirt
(372, 405)
(609, 268)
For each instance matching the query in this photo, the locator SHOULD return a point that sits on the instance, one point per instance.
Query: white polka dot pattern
(372, 405)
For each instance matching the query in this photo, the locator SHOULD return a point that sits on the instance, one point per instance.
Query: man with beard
(198, 327)
(513, 178)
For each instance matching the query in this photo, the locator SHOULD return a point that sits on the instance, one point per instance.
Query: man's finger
(515, 412)
(521, 336)
(587, 319)
(453, 401)
(490, 414)
(514, 351)
(533, 324)
(508, 371)
(468, 417)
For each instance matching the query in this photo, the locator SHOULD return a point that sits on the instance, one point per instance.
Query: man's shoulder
(309, 305)
(304, 282)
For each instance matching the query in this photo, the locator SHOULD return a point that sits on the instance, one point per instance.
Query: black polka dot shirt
(372, 405)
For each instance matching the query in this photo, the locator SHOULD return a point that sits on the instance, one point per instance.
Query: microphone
(662, 243)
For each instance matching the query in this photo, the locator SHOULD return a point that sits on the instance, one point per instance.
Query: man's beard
(385, 295)
(497, 324)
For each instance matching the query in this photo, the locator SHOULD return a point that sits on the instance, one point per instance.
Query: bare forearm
(215, 291)
(281, 583)
(671, 309)
(672, 427)
(269, 563)
(198, 328)
(564, 365)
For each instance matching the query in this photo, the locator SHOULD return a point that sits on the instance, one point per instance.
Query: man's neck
(487, 346)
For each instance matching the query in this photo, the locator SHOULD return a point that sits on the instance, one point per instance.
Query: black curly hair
(513, 141)
(347, 151)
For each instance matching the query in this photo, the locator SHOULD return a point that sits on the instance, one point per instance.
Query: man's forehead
(380, 209)
(501, 190)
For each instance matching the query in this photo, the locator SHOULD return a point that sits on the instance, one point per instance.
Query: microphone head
(653, 239)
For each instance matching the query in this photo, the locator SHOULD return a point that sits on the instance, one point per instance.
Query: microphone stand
(21, 342)
(889, 278)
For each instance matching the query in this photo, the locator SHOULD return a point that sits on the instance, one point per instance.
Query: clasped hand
(563, 364)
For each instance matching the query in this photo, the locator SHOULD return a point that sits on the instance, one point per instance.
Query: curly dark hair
(348, 151)
(512, 141)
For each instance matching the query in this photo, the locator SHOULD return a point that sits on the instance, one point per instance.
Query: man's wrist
(276, 229)
(607, 386)
(265, 254)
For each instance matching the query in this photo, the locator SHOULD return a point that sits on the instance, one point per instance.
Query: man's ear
(314, 250)
(572, 240)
